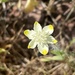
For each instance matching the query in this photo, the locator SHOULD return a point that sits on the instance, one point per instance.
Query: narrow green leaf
(57, 52)
(46, 59)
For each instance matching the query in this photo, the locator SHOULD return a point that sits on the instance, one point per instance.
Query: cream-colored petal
(29, 33)
(51, 40)
(48, 29)
(43, 48)
(32, 44)
(37, 27)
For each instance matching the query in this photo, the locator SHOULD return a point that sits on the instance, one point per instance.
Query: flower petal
(37, 27)
(43, 49)
(51, 40)
(32, 44)
(48, 29)
(29, 33)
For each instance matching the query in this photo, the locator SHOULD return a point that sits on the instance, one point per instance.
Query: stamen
(51, 27)
(54, 41)
(29, 46)
(26, 32)
(44, 52)
(36, 23)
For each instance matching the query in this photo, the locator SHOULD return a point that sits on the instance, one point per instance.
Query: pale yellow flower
(40, 37)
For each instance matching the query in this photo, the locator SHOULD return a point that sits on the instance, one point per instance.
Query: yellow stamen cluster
(29, 46)
(51, 27)
(26, 32)
(54, 41)
(36, 23)
(44, 52)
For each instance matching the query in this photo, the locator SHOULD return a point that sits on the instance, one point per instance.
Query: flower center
(41, 37)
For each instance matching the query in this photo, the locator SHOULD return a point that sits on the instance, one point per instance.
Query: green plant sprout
(40, 37)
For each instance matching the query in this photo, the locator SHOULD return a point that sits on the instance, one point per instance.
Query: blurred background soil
(18, 60)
